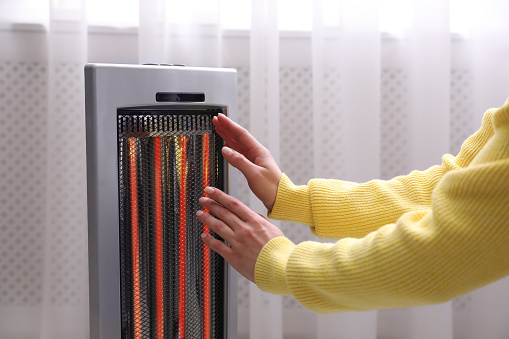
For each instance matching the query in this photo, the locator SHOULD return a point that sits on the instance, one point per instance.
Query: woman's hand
(245, 231)
(250, 157)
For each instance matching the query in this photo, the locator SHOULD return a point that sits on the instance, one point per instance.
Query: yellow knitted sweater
(418, 239)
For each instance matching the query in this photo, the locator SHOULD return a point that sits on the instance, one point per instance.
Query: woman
(423, 238)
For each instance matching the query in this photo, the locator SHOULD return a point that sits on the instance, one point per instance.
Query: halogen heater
(151, 151)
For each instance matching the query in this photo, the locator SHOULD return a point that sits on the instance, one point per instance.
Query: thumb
(239, 161)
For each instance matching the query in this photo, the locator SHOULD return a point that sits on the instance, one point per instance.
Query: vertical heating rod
(206, 253)
(135, 239)
(158, 238)
(182, 238)
(171, 245)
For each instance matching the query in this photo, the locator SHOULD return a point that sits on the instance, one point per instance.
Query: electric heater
(151, 151)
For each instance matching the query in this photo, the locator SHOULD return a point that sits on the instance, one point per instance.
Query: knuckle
(232, 204)
(217, 210)
(237, 158)
(216, 225)
(242, 130)
(219, 247)
(219, 227)
(205, 202)
(211, 243)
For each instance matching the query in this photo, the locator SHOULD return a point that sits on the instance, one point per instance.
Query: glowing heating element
(172, 286)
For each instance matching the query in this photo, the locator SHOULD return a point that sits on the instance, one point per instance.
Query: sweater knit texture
(423, 238)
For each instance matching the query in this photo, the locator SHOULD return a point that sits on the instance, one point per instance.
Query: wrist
(274, 188)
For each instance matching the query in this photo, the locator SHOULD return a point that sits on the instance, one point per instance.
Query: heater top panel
(190, 108)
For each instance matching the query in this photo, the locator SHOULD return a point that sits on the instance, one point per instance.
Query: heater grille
(172, 286)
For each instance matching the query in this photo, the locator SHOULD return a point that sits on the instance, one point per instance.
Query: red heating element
(172, 286)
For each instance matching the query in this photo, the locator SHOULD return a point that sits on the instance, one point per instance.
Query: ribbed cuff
(502, 115)
(292, 203)
(270, 269)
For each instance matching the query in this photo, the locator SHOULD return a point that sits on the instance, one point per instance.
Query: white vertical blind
(350, 325)
(65, 261)
(358, 61)
(489, 50)
(428, 47)
(317, 66)
(151, 41)
(265, 317)
(438, 315)
(359, 55)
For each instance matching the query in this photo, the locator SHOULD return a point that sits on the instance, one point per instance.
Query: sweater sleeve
(337, 209)
(426, 256)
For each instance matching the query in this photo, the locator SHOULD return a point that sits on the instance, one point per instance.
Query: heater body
(151, 150)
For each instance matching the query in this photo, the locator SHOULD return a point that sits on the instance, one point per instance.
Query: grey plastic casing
(107, 87)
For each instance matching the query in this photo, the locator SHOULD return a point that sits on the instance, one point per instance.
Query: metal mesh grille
(172, 286)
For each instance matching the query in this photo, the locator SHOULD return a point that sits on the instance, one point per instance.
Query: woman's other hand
(245, 231)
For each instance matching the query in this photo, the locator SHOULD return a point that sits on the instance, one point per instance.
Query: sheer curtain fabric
(348, 89)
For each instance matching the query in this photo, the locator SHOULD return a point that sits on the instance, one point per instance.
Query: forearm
(427, 256)
(336, 209)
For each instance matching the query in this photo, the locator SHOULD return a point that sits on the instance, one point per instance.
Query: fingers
(239, 161)
(237, 136)
(218, 246)
(229, 142)
(224, 225)
(245, 232)
(216, 225)
(222, 212)
(226, 207)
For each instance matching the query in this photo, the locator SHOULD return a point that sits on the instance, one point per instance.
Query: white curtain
(349, 89)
